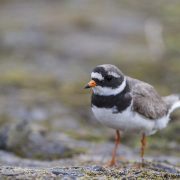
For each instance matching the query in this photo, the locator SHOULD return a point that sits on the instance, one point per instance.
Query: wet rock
(4, 136)
(67, 172)
(24, 173)
(165, 167)
(31, 141)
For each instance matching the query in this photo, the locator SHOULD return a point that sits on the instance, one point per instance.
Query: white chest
(124, 121)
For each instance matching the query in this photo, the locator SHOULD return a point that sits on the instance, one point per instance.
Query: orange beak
(91, 84)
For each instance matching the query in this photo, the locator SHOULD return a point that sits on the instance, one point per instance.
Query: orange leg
(143, 145)
(117, 142)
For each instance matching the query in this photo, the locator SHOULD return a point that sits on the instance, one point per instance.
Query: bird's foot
(139, 165)
(111, 163)
(142, 163)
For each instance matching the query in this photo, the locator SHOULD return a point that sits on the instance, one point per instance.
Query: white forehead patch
(113, 74)
(97, 76)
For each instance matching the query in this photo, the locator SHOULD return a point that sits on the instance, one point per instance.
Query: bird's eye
(109, 78)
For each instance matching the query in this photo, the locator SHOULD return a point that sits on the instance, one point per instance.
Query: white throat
(106, 91)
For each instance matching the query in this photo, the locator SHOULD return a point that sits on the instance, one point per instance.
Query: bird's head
(107, 80)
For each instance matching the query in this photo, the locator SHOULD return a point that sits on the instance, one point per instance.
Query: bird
(128, 105)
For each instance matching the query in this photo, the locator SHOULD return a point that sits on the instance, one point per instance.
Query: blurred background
(47, 51)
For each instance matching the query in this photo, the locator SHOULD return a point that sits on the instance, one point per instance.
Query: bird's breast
(120, 101)
(127, 120)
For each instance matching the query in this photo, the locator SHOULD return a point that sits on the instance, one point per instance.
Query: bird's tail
(173, 102)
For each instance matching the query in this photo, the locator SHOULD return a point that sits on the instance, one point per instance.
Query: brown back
(146, 100)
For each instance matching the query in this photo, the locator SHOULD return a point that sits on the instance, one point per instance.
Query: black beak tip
(87, 87)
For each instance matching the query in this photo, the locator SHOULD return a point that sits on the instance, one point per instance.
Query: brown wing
(146, 101)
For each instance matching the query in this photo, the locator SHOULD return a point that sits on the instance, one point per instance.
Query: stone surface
(151, 170)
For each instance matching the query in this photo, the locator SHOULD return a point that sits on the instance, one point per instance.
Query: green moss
(171, 12)
(83, 22)
(85, 136)
(67, 154)
(74, 95)
(20, 78)
(4, 119)
(22, 152)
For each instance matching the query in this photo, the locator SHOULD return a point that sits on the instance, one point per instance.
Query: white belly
(128, 121)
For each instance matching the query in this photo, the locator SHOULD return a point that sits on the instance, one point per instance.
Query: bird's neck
(121, 100)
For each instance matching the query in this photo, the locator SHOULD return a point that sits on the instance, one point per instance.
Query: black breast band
(120, 101)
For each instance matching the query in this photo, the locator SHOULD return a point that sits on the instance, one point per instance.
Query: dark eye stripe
(114, 83)
(109, 78)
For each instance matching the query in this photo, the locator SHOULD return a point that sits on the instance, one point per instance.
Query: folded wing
(146, 101)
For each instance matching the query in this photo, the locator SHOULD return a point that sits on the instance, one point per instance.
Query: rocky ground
(47, 51)
(150, 171)
(91, 165)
